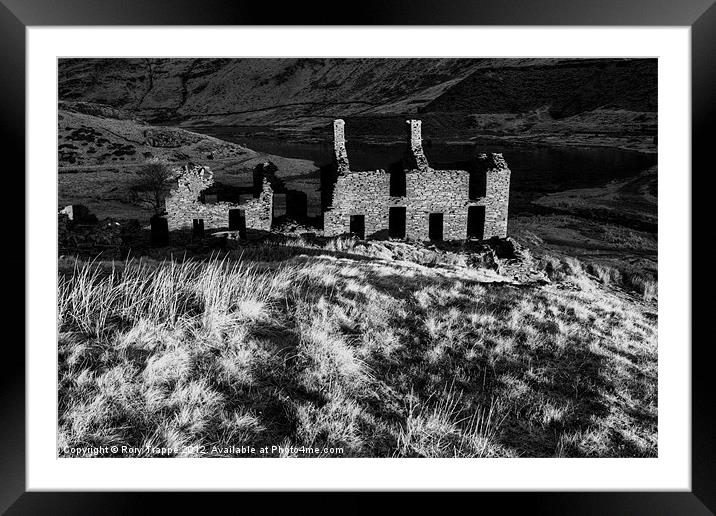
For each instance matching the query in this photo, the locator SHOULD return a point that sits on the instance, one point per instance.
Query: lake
(536, 169)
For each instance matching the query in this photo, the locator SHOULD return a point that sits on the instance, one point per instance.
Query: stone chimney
(416, 157)
(415, 132)
(339, 146)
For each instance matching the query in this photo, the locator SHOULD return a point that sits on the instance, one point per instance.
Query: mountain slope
(187, 88)
(567, 89)
(307, 92)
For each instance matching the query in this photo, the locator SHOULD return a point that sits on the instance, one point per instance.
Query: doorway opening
(435, 226)
(197, 229)
(476, 222)
(396, 222)
(237, 221)
(357, 226)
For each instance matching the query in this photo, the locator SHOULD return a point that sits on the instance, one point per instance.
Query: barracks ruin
(411, 200)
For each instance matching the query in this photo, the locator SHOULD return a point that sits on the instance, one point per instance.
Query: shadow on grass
(411, 337)
(573, 381)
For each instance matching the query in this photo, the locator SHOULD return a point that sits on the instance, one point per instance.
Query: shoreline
(557, 140)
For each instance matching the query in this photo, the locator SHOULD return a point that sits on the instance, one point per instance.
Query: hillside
(94, 135)
(631, 201)
(100, 149)
(230, 91)
(568, 88)
(300, 94)
(352, 355)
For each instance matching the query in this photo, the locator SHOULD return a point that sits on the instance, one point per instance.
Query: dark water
(536, 170)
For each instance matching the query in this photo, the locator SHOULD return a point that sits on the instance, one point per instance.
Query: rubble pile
(86, 233)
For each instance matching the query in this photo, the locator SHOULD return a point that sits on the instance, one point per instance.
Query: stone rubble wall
(364, 193)
(259, 212)
(184, 204)
(73, 236)
(437, 191)
(497, 196)
(427, 191)
(359, 193)
(169, 138)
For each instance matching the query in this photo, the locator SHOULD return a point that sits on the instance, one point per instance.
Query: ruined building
(415, 201)
(197, 201)
(411, 200)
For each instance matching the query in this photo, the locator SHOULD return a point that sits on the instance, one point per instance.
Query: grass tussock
(572, 269)
(351, 358)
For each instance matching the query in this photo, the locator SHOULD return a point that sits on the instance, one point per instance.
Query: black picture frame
(17, 15)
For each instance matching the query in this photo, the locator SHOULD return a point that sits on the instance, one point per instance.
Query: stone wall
(366, 193)
(259, 212)
(339, 146)
(166, 137)
(184, 204)
(436, 191)
(416, 156)
(359, 193)
(427, 191)
(497, 197)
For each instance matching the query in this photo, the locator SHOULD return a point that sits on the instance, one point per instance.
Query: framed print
(418, 250)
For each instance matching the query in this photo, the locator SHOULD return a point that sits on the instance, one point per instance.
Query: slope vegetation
(95, 135)
(351, 356)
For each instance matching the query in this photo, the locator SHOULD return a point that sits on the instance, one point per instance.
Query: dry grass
(638, 282)
(377, 359)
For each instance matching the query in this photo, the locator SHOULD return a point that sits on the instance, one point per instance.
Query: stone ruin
(416, 201)
(411, 201)
(79, 231)
(194, 202)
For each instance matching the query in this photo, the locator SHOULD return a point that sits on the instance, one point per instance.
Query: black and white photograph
(357, 257)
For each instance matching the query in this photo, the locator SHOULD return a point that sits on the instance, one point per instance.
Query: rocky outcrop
(516, 262)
